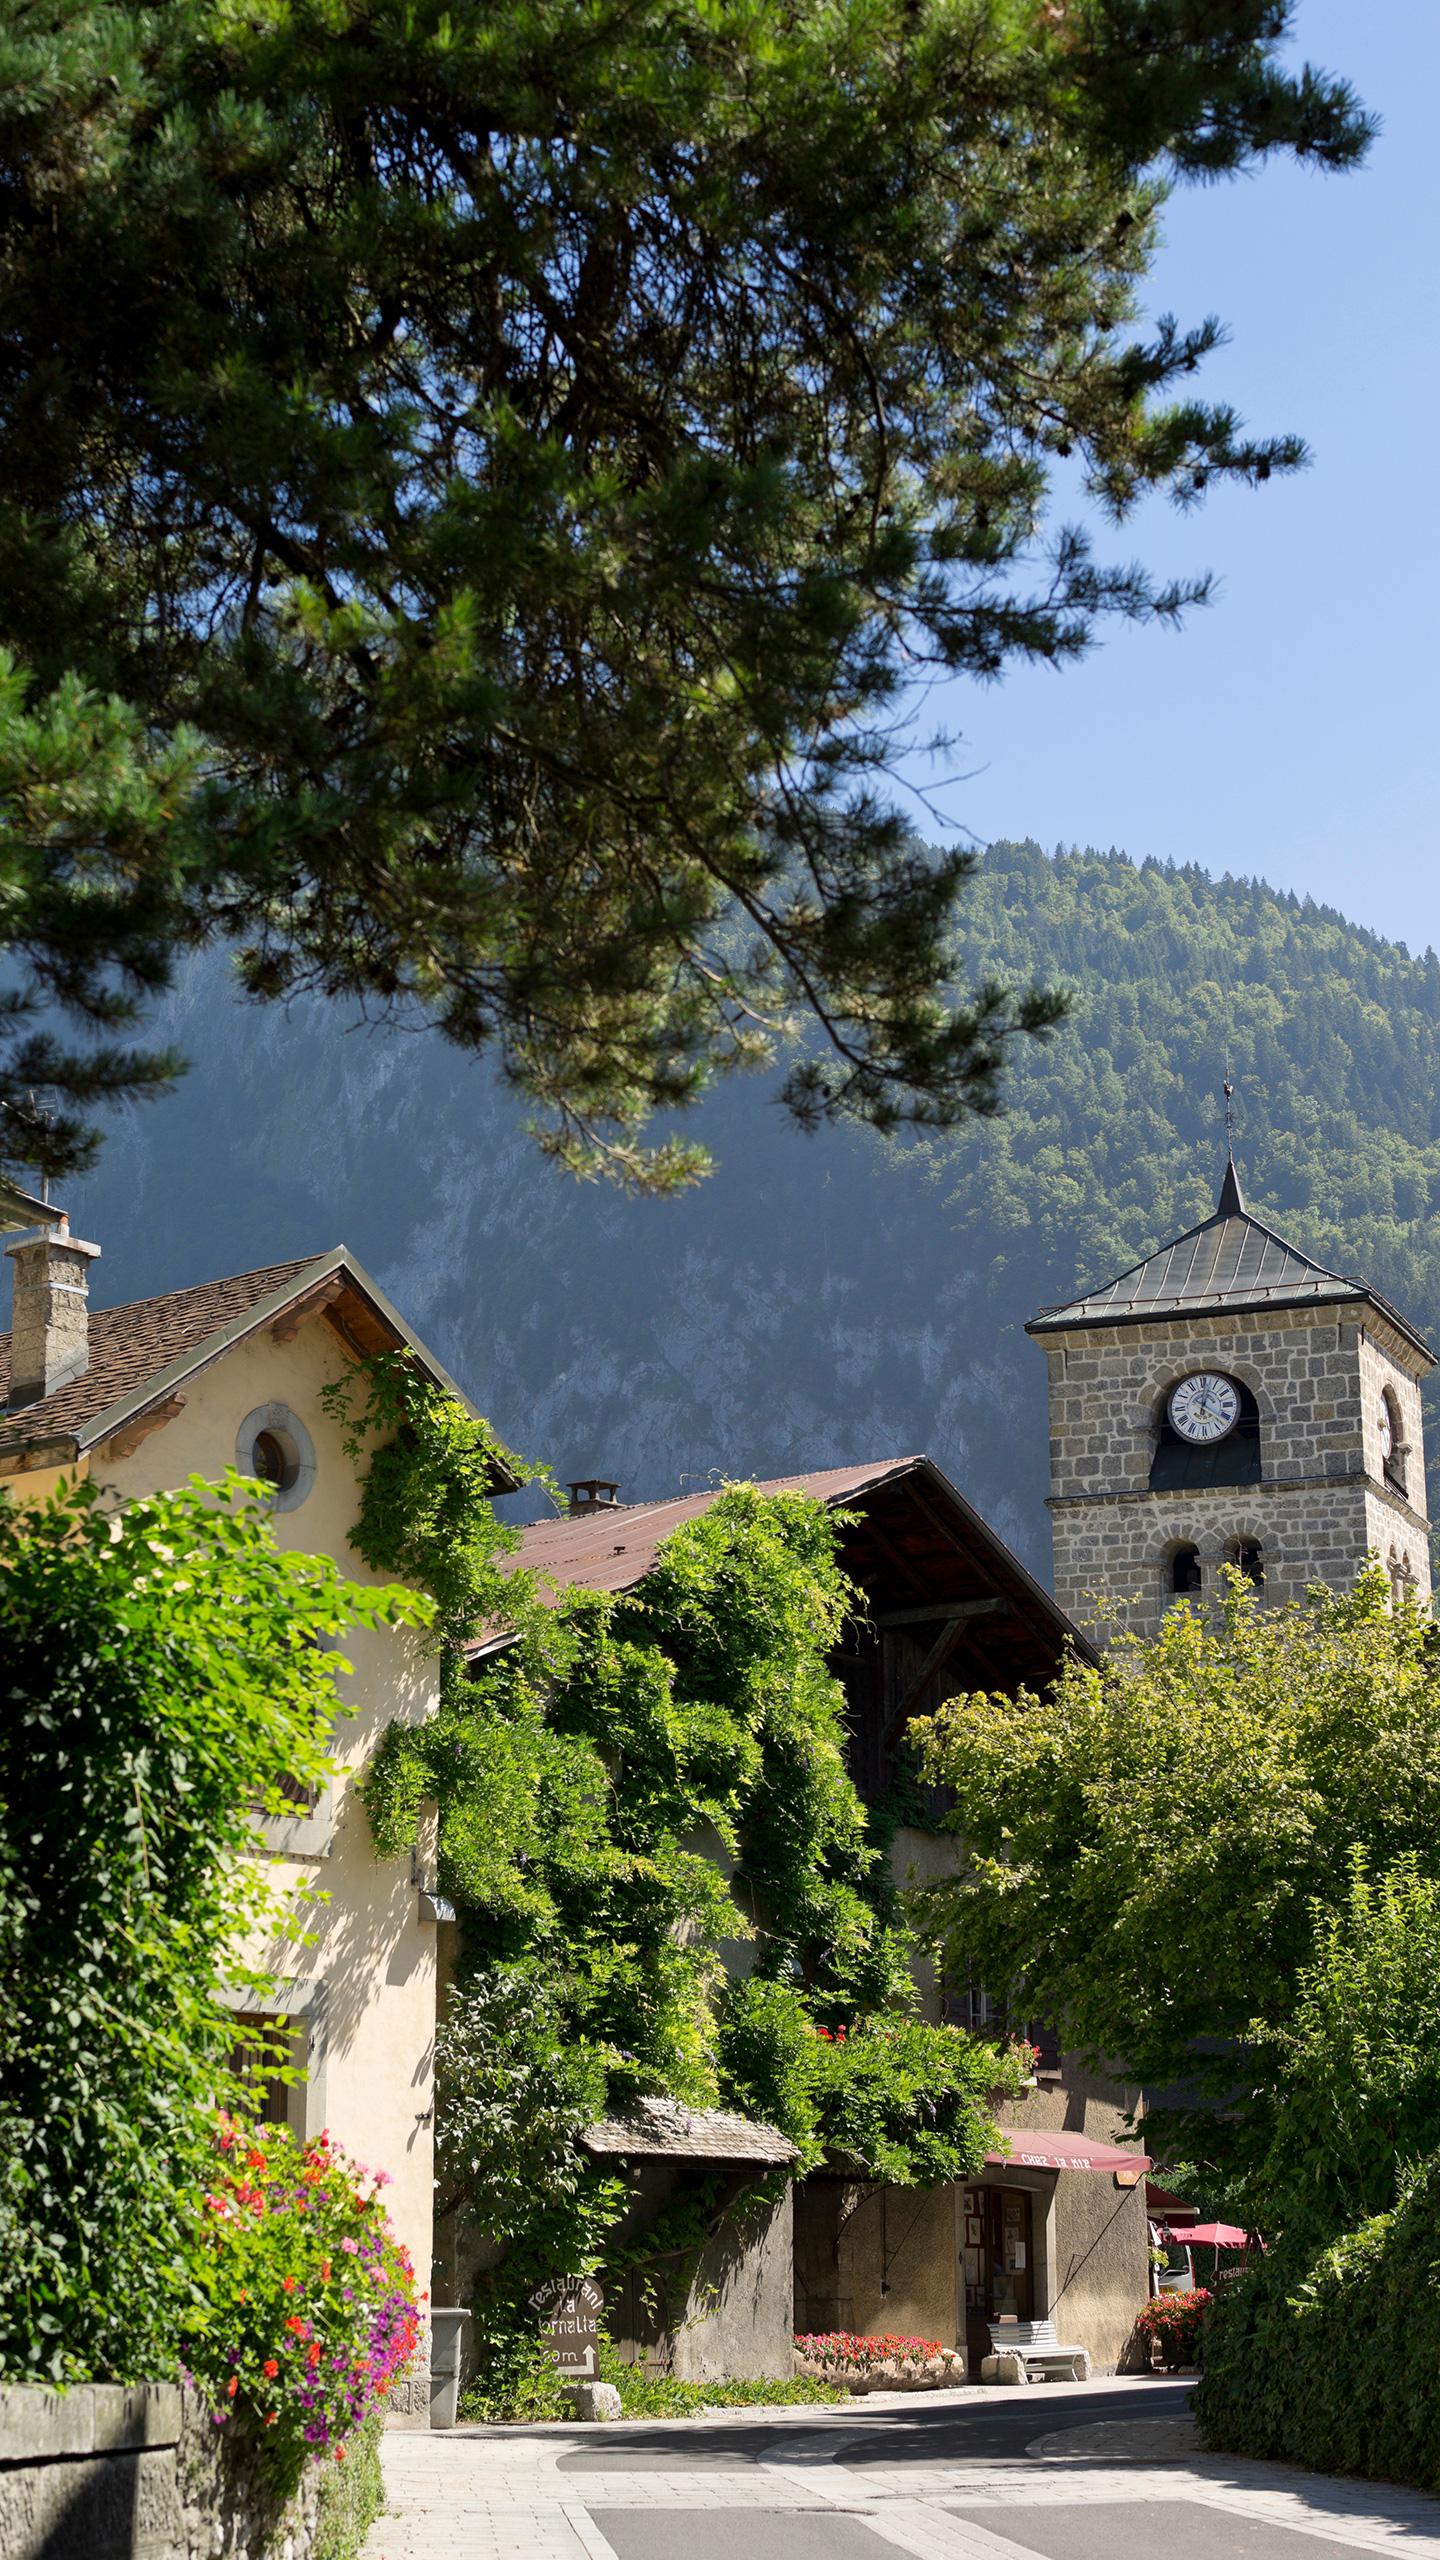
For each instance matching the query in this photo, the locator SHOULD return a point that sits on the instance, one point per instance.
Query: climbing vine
(663, 1870)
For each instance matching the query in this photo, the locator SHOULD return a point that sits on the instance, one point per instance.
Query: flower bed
(312, 2310)
(889, 2363)
(1174, 2322)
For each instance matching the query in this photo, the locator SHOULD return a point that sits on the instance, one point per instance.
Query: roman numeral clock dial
(1203, 1408)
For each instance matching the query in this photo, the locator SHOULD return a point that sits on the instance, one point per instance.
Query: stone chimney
(593, 1493)
(50, 1334)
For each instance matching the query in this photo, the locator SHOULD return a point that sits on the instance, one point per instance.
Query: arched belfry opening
(1184, 1578)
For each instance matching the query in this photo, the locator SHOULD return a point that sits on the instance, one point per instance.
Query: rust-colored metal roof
(614, 1547)
(662, 2129)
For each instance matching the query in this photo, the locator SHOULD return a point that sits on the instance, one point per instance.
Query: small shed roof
(662, 2129)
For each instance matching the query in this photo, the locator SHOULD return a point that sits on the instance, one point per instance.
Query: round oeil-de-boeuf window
(273, 1444)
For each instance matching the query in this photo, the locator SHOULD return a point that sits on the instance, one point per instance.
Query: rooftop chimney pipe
(50, 1335)
(593, 1493)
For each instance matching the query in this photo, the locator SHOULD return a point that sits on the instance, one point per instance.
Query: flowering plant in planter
(877, 2362)
(310, 2307)
(1174, 2322)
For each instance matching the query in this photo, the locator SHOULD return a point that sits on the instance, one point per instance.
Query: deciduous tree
(1163, 1849)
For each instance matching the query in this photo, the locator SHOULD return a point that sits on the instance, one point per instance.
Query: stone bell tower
(1230, 1401)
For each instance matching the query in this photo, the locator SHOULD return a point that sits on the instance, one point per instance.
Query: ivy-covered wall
(636, 1788)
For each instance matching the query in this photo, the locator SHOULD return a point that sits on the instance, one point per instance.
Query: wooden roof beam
(934, 1661)
(313, 1303)
(936, 1610)
(133, 1434)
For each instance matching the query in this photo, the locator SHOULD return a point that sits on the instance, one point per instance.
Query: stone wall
(877, 2260)
(734, 2320)
(101, 2472)
(1318, 1376)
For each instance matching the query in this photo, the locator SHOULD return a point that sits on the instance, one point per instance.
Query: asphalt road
(992, 2430)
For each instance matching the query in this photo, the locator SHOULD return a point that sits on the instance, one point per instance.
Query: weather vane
(1229, 1091)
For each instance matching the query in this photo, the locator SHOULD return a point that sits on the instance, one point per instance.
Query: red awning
(1167, 2208)
(1039, 2150)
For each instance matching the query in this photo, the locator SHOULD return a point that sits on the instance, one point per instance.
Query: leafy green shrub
(644, 2394)
(426, 1512)
(1356, 2069)
(162, 1672)
(1189, 1811)
(1176, 2321)
(891, 2097)
(312, 2309)
(518, 2382)
(907, 2102)
(1330, 2360)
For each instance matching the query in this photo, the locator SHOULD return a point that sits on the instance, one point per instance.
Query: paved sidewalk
(1104, 2471)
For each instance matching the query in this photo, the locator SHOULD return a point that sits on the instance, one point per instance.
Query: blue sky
(1290, 729)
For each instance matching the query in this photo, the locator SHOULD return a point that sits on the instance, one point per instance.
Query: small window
(1246, 1557)
(1185, 1570)
(261, 2056)
(1393, 1451)
(1402, 1578)
(1046, 2042)
(273, 1444)
(970, 2006)
(275, 1460)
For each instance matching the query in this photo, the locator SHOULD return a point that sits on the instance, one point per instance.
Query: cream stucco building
(139, 1398)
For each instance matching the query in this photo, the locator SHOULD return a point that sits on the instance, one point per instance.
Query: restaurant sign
(568, 2309)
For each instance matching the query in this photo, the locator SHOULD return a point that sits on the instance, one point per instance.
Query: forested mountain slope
(1109, 1139)
(824, 1299)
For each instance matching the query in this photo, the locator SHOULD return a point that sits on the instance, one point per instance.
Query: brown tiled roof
(130, 1345)
(661, 2129)
(613, 1548)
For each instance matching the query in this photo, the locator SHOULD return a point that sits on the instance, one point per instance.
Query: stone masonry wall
(100, 2472)
(1318, 1377)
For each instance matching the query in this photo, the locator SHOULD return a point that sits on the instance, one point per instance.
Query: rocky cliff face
(805, 1307)
(830, 1299)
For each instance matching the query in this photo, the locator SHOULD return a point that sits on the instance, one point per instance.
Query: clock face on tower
(1203, 1408)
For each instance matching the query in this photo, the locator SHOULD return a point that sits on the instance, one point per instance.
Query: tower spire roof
(1231, 1263)
(1231, 1203)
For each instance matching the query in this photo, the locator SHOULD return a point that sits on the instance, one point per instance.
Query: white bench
(1032, 2350)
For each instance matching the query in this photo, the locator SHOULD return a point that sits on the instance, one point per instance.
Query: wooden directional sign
(569, 2308)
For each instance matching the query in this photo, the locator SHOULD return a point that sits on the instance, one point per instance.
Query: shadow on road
(997, 2428)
